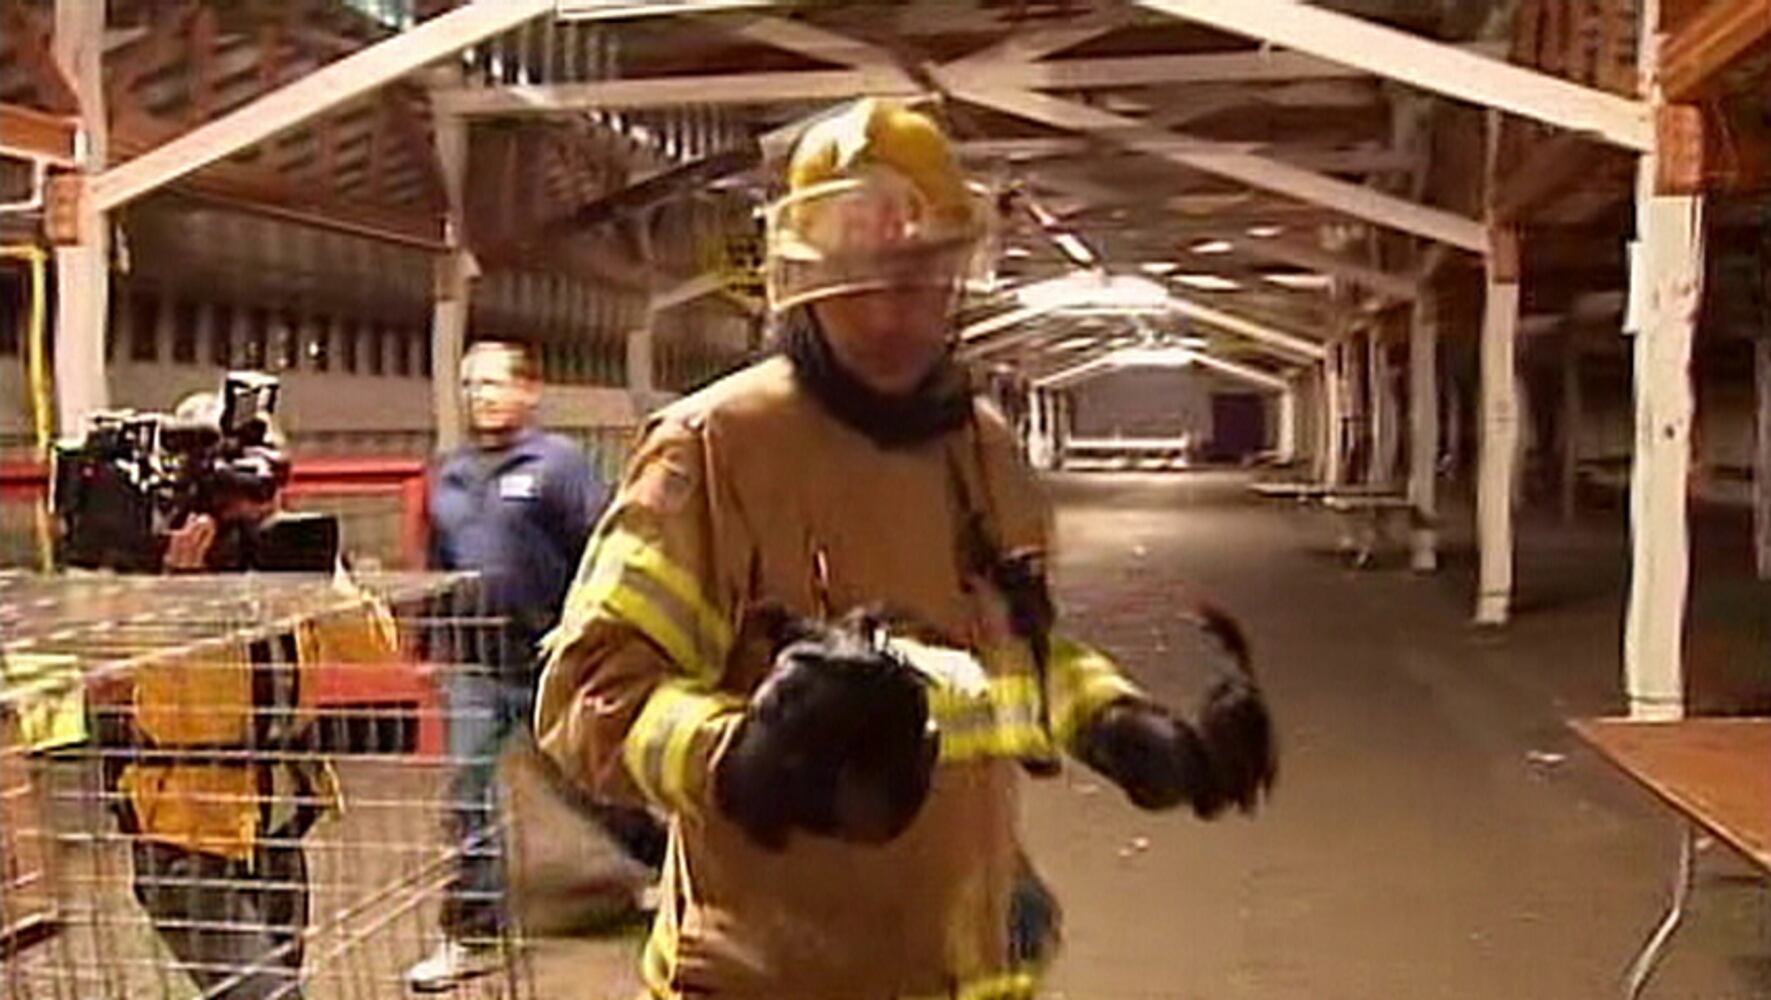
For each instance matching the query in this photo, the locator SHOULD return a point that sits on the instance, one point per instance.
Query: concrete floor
(1437, 831)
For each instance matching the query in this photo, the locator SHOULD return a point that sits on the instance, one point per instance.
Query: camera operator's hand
(187, 547)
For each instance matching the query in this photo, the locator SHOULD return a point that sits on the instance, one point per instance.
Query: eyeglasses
(479, 386)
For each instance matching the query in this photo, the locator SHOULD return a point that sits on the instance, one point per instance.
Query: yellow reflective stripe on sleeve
(632, 581)
(656, 751)
(1083, 682)
(1003, 721)
(680, 583)
(632, 607)
(1017, 985)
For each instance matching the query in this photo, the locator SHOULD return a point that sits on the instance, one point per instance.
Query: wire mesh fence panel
(256, 787)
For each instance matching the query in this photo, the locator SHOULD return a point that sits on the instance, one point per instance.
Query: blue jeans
(486, 710)
(489, 708)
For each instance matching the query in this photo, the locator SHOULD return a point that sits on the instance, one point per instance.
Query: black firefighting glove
(1158, 760)
(836, 741)
(1224, 756)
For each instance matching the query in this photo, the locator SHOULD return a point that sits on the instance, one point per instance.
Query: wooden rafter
(31, 42)
(1432, 66)
(162, 48)
(334, 84)
(1715, 38)
(204, 40)
(1227, 161)
(38, 135)
(261, 190)
(1550, 166)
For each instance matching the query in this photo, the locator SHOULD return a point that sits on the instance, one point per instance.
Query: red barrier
(405, 476)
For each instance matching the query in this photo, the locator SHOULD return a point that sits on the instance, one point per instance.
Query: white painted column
(1334, 423)
(1669, 233)
(641, 377)
(1038, 444)
(448, 335)
(1666, 294)
(82, 270)
(1373, 408)
(1385, 411)
(1497, 446)
(1286, 438)
(452, 287)
(1423, 431)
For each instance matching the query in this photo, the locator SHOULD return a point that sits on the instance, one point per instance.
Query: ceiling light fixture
(1208, 282)
(1300, 280)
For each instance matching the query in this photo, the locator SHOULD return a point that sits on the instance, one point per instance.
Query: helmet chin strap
(940, 403)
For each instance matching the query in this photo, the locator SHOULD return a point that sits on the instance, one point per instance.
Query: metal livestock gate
(141, 715)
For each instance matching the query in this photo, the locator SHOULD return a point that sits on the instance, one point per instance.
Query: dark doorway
(1238, 425)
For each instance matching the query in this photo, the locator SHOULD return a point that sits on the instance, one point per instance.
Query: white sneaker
(452, 964)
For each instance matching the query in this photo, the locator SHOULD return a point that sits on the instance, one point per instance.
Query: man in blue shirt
(515, 504)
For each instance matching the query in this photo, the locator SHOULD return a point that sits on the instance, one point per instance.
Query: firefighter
(814, 628)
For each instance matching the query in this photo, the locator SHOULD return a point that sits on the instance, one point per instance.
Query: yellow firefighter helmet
(874, 200)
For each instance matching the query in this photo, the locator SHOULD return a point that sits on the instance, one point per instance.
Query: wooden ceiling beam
(31, 39)
(1429, 65)
(38, 135)
(328, 87)
(1226, 161)
(1720, 35)
(1550, 166)
(261, 191)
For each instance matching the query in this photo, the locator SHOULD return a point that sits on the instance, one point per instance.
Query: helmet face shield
(875, 232)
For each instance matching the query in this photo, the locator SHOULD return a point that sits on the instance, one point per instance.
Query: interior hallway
(1437, 831)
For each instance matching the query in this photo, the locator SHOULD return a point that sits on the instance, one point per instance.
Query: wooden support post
(1666, 295)
(453, 287)
(1377, 419)
(1497, 448)
(1286, 434)
(1334, 386)
(1572, 416)
(1669, 252)
(82, 268)
(1762, 456)
(641, 379)
(1386, 413)
(1038, 429)
(1423, 430)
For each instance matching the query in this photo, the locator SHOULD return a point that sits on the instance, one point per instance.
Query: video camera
(136, 477)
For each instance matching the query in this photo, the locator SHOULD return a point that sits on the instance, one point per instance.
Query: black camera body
(136, 477)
